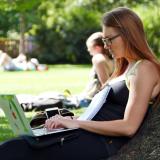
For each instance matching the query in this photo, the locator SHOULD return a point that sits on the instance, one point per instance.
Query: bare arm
(141, 89)
(101, 68)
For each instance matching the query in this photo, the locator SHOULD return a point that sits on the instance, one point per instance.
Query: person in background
(119, 108)
(20, 63)
(6, 62)
(102, 68)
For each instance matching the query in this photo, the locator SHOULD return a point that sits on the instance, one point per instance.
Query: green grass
(5, 129)
(57, 78)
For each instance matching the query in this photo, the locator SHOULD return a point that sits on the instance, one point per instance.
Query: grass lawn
(57, 78)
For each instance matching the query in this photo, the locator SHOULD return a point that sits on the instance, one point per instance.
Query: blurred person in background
(102, 68)
(19, 63)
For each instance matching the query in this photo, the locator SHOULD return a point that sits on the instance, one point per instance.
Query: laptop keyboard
(44, 131)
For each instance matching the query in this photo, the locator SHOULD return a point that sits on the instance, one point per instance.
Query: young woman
(102, 67)
(134, 83)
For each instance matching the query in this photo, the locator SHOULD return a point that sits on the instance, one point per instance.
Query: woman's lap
(85, 146)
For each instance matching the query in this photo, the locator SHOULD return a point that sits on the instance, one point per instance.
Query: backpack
(42, 104)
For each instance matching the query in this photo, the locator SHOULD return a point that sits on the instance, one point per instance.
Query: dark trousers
(87, 146)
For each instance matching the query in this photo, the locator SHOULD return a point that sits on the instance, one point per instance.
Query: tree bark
(22, 31)
(145, 145)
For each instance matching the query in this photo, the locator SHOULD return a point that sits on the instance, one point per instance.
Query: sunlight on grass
(57, 78)
(5, 130)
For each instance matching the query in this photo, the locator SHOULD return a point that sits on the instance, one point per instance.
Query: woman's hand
(58, 121)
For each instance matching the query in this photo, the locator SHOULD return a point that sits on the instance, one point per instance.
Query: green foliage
(61, 27)
(151, 20)
(10, 11)
(68, 29)
(8, 22)
(18, 5)
(69, 23)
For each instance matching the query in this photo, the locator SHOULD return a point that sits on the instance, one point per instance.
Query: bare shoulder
(98, 58)
(145, 77)
(146, 71)
(148, 67)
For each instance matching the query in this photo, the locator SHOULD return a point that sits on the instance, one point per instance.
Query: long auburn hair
(130, 26)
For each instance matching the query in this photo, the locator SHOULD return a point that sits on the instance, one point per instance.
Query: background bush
(60, 27)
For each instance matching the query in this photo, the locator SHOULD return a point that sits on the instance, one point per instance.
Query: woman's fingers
(58, 121)
(53, 122)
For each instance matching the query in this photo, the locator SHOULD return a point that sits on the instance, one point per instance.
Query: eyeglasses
(108, 41)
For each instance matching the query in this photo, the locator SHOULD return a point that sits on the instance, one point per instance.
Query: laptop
(19, 123)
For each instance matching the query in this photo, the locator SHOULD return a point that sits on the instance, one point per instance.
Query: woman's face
(113, 42)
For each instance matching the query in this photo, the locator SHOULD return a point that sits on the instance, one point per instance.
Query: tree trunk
(145, 145)
(22, 31)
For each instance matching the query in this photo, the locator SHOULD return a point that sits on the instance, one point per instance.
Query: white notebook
(96, 104)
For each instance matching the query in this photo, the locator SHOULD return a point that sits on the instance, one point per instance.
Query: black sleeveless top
(115, 104)
(113, 109)
(117, 98)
